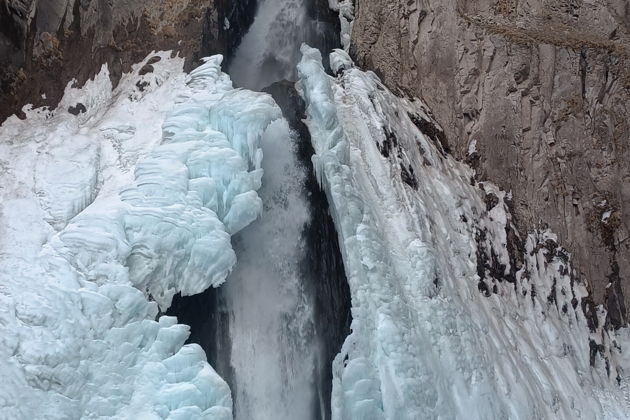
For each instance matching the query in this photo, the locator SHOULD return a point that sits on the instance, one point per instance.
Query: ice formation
(104, 217)
(449, 321)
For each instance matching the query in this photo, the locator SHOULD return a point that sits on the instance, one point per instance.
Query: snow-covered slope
(104, 216)
(454, 315)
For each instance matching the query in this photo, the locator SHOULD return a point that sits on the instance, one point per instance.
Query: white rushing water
(271, 314)
(270, 50)
(271, 320)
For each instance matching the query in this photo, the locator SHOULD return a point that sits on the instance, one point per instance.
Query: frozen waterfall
(263, 330)
(107, 215)
(452, 317)
(258, 219)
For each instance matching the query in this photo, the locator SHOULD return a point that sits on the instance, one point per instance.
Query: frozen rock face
(452, 318)
(45, 44)
(535, 95)
(104, 216)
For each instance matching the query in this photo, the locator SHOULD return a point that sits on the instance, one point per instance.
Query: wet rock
(491, 201)
(429, 129)
(390, 143)
(408, 177)
(590, 313)
(483, 288)
(77, 109)
(147, 68)
(154, 59)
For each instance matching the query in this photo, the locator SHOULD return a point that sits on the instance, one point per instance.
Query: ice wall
(454, 316)
(104, 217)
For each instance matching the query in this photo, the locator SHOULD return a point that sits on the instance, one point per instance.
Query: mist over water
(273, 329)
(271, 315)
(270, 50)
(275, 359)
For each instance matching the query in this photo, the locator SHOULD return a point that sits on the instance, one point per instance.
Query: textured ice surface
(446, 322)
(105, 216)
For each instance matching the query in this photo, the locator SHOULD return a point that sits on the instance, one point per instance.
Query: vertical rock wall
(45, 44)
(535, 94)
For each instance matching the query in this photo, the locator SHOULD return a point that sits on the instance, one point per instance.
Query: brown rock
(543, 87)
(46, 43)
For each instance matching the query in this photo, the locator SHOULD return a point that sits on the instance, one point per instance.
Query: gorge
(314, 210)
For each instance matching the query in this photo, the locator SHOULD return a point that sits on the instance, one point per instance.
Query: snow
(104, 216)
(449, 320)
(340, 60)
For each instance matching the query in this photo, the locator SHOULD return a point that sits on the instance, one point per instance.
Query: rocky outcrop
(45, 44)
(535, 94)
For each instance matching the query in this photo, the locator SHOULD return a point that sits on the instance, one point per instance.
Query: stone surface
(535, 94)
(46, 43)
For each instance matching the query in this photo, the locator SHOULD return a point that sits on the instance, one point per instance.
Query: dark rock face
(208, 317)
(45, 44)
(327, 28)
(238, 17)
(543, 90)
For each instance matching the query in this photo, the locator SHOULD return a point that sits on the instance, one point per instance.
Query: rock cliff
(535, 94)
(45, 44)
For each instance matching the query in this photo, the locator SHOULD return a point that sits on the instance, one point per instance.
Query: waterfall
(273, 329)
(271, 315)
(270, 50)
(278, 358)
(271, 321)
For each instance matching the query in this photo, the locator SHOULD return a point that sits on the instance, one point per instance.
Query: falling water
(271, 315)
(271, 324)
(274, 327)
(274, 352)
(270, 50)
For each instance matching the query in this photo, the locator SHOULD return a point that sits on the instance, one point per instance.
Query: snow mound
(104, 216)
(454, 315)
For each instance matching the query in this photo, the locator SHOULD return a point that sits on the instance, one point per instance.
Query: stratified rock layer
(535, 95)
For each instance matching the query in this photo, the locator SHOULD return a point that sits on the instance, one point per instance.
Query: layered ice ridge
(454, 315)
(104, 217)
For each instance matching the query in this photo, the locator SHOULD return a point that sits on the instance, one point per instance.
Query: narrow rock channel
(274, 328)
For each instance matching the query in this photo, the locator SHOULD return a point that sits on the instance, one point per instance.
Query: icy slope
(454, 316)
(104, 216)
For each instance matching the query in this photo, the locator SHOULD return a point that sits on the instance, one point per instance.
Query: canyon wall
(535, 95)
(45, 44)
